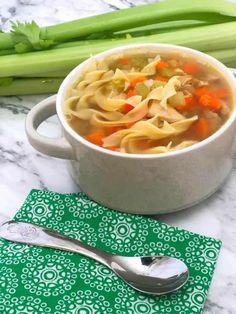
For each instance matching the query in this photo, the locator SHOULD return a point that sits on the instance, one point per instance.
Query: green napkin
(39, 280)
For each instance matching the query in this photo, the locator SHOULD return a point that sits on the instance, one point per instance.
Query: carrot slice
(129, 125)
(124, 61)
(112, 148)
(161, 78)
(200, 91)
(138, 79)
(114, 129)
(127, 108)
(144, 144)
(130, 93)
(210, 101)
(222, 92)
(95, 138)
(190, 68)
(162, 65)
(201, 128)
(189, 104)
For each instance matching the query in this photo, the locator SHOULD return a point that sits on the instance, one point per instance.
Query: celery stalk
(31, 86)
(44, 85)
(7, 52)
(138, 16)
(48, 74)
(28, 86)
(6, 41)
(204, 38)
(132, 17)
(227, 56)
(170, 26)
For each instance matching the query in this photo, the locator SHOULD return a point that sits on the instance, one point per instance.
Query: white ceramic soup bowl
(139, 183)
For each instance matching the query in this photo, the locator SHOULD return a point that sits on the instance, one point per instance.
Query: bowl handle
(58, 147)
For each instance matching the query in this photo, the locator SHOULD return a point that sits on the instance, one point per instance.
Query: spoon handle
(24, 232)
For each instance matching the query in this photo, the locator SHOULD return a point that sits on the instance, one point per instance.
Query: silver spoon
(149, 274)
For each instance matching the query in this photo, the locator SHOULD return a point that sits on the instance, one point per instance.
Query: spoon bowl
(155, 275)
(151, 274)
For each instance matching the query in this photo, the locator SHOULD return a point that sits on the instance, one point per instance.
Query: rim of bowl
(71, 77)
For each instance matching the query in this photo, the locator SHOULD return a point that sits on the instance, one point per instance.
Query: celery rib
(133, 17)
(138, 16)
(227, 56)
(44, 85)
(24, 86)
(204, 38)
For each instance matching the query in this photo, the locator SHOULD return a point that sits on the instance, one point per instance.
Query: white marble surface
(22, 168)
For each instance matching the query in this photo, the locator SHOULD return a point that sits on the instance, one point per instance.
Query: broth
(145, 102)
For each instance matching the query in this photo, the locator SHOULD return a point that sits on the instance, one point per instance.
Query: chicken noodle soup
(146, 102)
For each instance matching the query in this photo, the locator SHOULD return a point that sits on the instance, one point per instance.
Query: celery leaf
(28, 37)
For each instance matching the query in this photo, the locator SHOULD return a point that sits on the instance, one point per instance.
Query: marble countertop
(22, 168)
